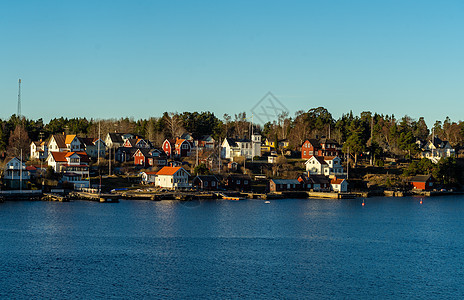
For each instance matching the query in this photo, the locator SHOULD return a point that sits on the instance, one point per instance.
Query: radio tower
(19, 99)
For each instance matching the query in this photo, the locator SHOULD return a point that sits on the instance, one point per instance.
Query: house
(330, 147)
(136, 143)
(269, 144)
(169, 147)
(317, 165)
(316, 183)
(206, 182)
(183, 147)
(321, 183)
(39, 150)
(328, 165)
(148, 177)
(241, 147)
(56, 160)
(339, 185)
(172, 178)
(73, 143)
(206, 142)
(114, 140)
(186, 136)
(94, 147)
(279, 185)
(148, 158)
(423, 182)
(15, 175)
(324, 147)
(238, 182)
(124, 154)
(436, 149)
(272, 159)
(57, 143)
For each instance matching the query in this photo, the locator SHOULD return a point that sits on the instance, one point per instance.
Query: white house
(339, 185)
(15, 173)
(328, 166)
(172, 178)
(57, 143)
(437, 149)
(94, 147)
(241, 147)
(39, 150)
(74, 166)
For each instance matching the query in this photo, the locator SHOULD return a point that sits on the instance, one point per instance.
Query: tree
(19, 140)
(201, 169)
(174, 124)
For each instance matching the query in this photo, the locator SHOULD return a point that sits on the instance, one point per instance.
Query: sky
(113, 59)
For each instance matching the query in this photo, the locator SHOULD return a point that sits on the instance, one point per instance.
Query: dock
(97, 197)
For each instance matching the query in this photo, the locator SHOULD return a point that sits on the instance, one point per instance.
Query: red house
(183, 147)
(309, 148)
(423, 182)
(324, 147)
(169, 147)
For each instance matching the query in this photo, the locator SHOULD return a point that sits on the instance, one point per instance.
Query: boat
(267, 202)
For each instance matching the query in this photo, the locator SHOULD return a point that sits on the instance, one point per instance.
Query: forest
(381, 135)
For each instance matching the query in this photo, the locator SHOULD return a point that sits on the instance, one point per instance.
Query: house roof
(328, 141)
(116, 137)
(83, 156)
(69, 138)
(336, 181)
(314, 142)
(169, 170)
(59, 156)
(320, 159)
(144, 151)
(87, 141)
(285, 181)
(321, 179)
(421, 178)
(329, 157)
(60, 140)
(231, 142)
(150, 172)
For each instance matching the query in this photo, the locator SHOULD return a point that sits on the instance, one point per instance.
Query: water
(391, 248)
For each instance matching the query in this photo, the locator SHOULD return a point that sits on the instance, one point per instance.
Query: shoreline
(38, 195)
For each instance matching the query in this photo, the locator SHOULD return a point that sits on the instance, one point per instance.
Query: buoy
(363, 203)
(420, 201)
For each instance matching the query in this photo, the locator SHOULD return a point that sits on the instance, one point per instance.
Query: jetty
(97, 197)
(21, 195)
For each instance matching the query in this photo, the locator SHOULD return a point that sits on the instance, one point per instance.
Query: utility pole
(98, 146)
(252, 141)
(19, 99)
(109, 160)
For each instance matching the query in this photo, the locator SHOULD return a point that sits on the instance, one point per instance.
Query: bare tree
(19, 140)
(174, 123)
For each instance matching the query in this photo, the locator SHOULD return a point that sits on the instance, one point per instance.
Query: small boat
(267, 202)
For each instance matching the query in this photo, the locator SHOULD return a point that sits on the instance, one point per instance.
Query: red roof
(59, 156)
(168, 170)
(336, 181)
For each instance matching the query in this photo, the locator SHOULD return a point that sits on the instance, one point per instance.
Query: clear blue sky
(103, 59)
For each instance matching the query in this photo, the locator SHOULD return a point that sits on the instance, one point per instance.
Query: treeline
(380, 134)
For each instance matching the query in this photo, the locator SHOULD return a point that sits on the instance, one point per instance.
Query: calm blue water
(390, 248)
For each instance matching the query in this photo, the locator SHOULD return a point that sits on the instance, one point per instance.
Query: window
(245, 182)
(238, 181)
(213, 183)
(206, 183)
